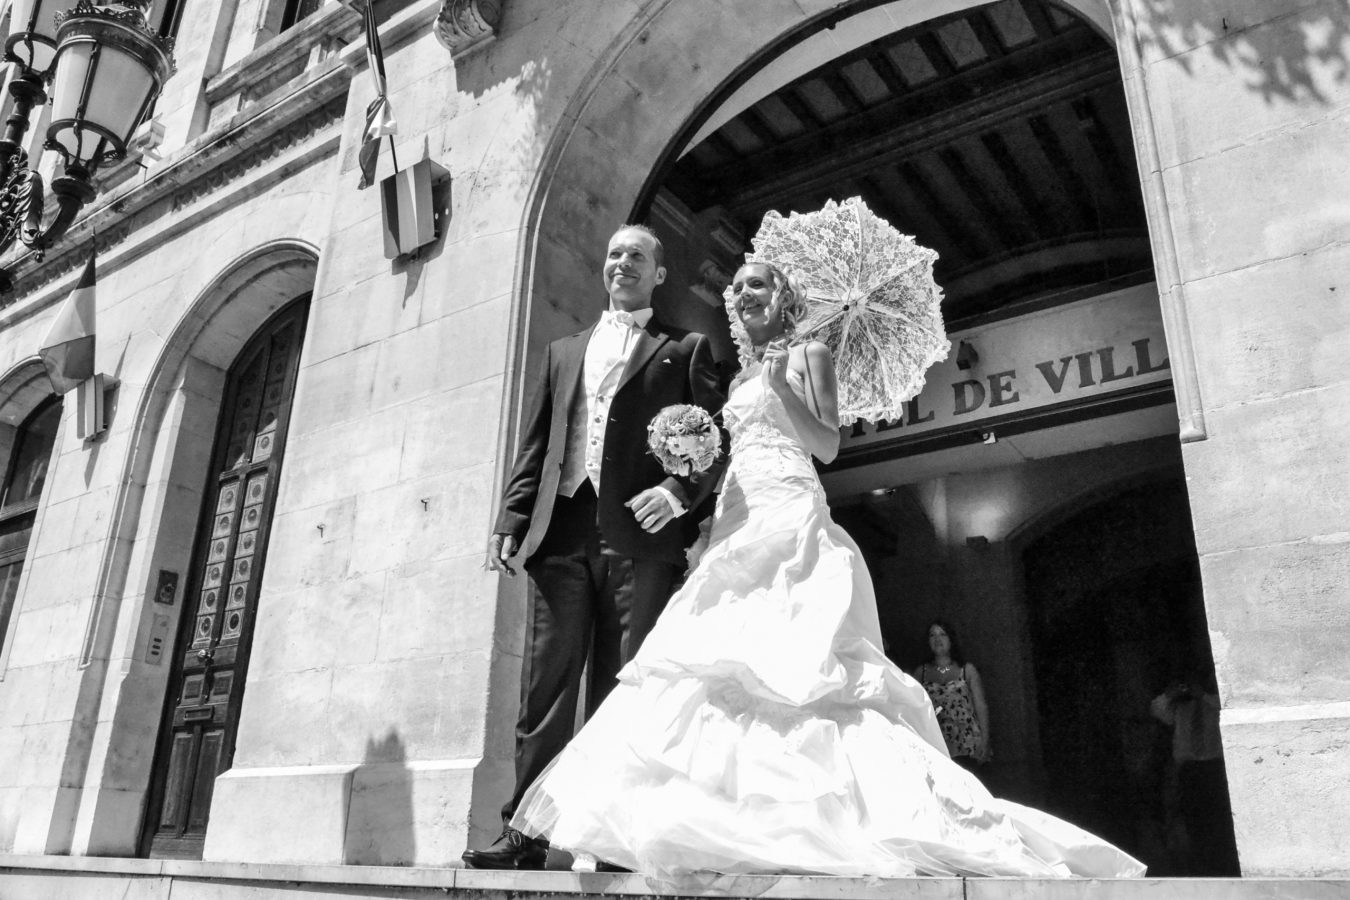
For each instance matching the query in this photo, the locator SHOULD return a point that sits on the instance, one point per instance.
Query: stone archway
(642, 100)
(151, 532)
(646, 95)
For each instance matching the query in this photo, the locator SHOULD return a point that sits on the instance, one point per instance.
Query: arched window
(29, 459)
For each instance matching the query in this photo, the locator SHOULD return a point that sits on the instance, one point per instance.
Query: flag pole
(393, 155)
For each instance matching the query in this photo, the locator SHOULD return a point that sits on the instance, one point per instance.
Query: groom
(592, 513)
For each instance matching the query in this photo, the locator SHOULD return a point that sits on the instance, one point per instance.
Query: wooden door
(197, 733)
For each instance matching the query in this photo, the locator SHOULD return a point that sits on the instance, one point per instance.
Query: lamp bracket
(23, 201)
(16, 199)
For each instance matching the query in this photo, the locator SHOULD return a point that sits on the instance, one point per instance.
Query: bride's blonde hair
(792, 307)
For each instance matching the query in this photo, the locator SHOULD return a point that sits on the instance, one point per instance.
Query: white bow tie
(621, 317)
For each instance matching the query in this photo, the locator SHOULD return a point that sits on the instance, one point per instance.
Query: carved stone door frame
(211, 653)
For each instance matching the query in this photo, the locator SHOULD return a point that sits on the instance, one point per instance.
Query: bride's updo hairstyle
(792, 306)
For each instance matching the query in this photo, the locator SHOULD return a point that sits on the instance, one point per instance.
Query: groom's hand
(651, 509)
(500, 548)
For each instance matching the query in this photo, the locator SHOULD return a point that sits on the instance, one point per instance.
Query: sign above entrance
(1084, 352)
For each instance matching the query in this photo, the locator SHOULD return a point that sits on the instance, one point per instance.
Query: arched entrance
(996, 132)
(674, 71)
(210, 660)
(171, 484)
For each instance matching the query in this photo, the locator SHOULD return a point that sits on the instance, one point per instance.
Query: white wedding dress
(761, 730)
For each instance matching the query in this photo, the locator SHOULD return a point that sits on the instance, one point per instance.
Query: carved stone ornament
(464, 24)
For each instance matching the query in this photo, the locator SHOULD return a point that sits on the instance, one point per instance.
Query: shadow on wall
(1296, 61)
(380, 815)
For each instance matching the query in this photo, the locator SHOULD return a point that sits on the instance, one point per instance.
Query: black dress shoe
(602, 866)
(512, 850)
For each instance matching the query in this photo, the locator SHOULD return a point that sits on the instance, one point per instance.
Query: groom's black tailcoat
(595, 570)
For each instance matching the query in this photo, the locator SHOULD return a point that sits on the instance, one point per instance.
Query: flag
(407, 206)
(68, 351)
(379, 114)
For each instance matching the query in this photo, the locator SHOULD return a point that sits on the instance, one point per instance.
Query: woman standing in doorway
(958, 697)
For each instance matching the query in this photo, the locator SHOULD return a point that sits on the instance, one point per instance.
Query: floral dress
(955, 712)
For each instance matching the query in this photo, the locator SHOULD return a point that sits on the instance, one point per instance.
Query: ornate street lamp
(106, 68)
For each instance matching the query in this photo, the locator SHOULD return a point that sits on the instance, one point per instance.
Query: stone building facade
(250, 623)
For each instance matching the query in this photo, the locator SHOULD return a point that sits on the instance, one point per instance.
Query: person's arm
(982, 750)
(816, 417)
(656, 506)
(1163, 709)
(513, 519)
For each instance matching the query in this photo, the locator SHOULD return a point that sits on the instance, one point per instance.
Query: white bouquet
(684, 439)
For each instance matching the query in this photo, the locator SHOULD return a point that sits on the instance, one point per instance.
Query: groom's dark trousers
(581, 588)
(597, 578)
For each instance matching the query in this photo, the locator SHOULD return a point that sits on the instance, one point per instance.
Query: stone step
(97, 878)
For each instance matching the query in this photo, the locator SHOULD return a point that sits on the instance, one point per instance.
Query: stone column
(1240, 121)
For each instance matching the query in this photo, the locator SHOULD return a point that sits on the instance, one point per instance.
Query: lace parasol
(872, 299)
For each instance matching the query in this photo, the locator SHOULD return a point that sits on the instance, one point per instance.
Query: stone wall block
(450, 431)
(252, 806)
(1272, 471)
(108, 821)
(23, 700)
(490, 152)
(129, 727)
(355, 226)
(49, 692)
(1290, 785)
(321, 468)
(197, 390)
(584, 30)
(69, 473)
(448, 352)
(334, 391)
(1278, 622)
(310, 546)
(44, 747)
(31, 885)
(356, 229)
(285, 720)
(464, 274)
(1219, 27)
(355, 317)
(439, 714)
(1273, 329)
(56, 524)
(305, 629)
(46, 627)
(576, 295)
(170, 541)
(435, 608)
(1202, 95)
(420, 100)
(430, 518)
(11, 747)
(1235, 217)
(592, 205)
(11, 810)
(93, 511)
(60, 577)
(408, 813)
(669, 73)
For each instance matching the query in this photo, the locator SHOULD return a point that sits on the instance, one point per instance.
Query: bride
(760, 729)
